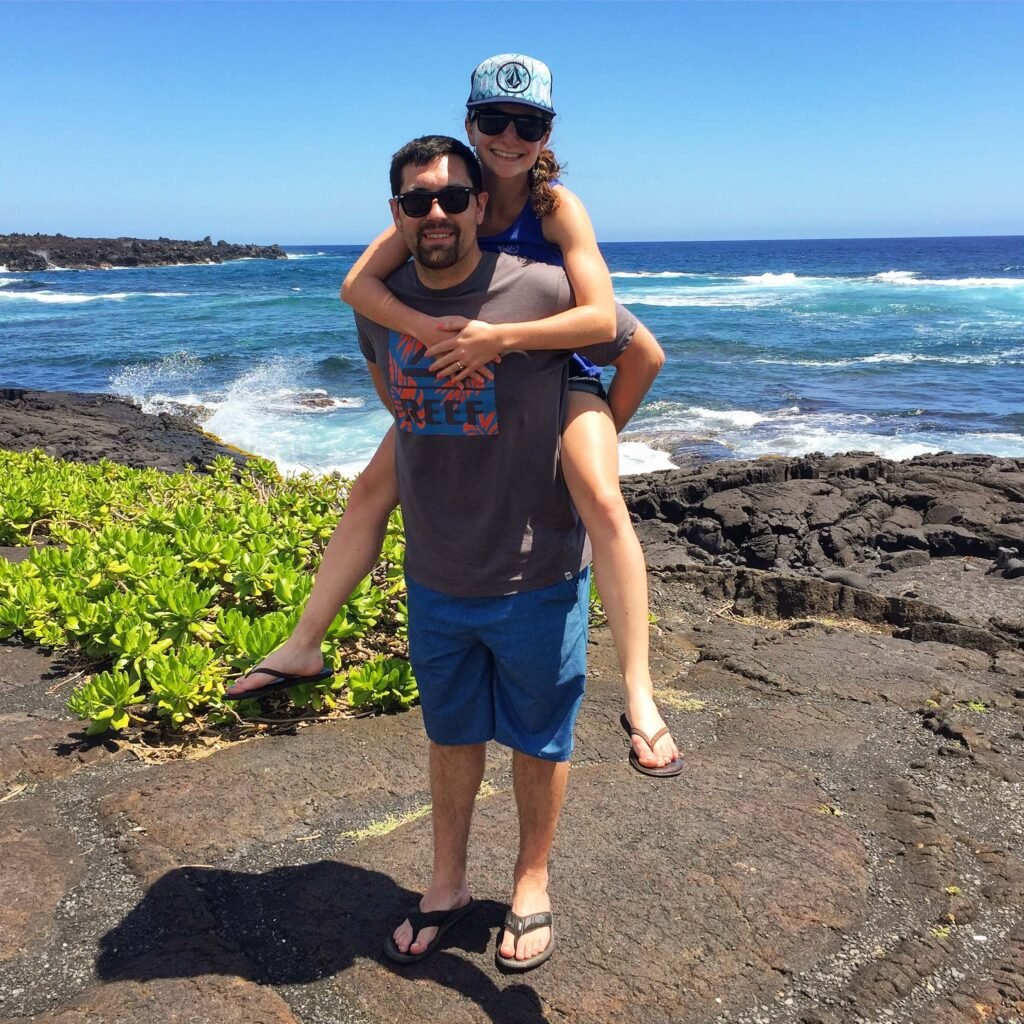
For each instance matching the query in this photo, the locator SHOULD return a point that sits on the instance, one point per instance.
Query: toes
(402, 936)
(423, 939)
(508, 946)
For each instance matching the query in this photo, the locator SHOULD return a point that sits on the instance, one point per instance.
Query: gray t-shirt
(485, 505)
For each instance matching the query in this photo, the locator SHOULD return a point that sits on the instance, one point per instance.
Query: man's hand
(467, 351)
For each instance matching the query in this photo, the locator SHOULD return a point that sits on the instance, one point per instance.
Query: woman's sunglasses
(529, 128)
(453, 199)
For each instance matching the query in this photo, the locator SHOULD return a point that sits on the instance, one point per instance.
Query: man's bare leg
(455, 775)
(540, 789)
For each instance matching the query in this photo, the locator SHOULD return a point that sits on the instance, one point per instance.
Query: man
(496, 558)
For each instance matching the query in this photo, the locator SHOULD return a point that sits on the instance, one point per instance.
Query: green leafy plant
(130, 570)
(386, 683)
(105, 700)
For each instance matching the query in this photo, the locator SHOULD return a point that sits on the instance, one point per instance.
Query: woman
(509, 116)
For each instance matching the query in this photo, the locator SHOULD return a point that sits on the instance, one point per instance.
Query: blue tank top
(525, 237)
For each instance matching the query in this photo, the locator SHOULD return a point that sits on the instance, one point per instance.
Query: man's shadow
(294, 925)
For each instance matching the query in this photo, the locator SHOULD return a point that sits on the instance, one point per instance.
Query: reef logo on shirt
(424, 404)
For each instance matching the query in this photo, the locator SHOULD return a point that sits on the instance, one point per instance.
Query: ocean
(897, 346)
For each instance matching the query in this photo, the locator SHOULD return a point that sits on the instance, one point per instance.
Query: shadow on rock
(299, 924)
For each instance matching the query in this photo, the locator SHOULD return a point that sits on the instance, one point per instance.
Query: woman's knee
(603, 511)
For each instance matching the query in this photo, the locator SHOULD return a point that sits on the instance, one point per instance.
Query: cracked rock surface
(846, 845)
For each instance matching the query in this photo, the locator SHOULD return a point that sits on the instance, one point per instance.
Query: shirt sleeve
(625, 327)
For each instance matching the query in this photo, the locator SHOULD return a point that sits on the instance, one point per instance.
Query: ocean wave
(76, 299)
(775, 279)
(305, 255)
(698, 417)
(912, 277)
(653, 274)
(635, 457)
(1009, 357)
(670, 299)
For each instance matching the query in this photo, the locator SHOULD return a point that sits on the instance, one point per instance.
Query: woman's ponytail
(546, 170)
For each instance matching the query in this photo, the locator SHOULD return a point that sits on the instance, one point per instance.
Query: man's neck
(452, 276)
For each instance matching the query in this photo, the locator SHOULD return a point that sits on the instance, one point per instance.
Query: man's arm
(635, 371)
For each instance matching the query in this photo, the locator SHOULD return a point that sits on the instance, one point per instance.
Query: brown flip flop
(666, 771)
(519, 926)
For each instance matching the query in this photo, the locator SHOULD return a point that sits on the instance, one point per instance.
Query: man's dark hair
(426, 150)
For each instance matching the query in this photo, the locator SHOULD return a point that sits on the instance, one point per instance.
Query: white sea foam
(894, 276)
(673, 299)
(653, 274)
(77, 299)
(304, 255)
(775, 280)
(636, 457)
(912, 277)
(1008, 357)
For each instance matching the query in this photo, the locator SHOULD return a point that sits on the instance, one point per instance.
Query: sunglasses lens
(451, 200)
(529, 129)
(416, 204)
(492, 124)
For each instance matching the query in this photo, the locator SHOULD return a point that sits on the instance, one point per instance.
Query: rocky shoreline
(83, 427)
(839, 650)
(57, 252)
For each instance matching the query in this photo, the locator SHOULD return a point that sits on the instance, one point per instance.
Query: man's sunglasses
(453, 199)
(529, 127)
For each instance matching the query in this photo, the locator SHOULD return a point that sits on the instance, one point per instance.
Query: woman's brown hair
(543, 197)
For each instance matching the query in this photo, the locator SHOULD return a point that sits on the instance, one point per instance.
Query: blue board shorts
(510, 668)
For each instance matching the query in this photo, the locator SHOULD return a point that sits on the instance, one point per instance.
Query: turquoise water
(899, 346)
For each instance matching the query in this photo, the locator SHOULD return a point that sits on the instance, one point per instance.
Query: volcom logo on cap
(513, 77)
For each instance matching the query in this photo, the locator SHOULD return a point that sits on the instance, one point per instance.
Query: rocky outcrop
(87, 428)
(846, 845)
(824, 515)
(44, 252)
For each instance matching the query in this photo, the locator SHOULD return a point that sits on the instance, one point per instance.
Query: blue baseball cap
(511, 78)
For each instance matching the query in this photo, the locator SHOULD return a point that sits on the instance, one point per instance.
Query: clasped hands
(462, 348)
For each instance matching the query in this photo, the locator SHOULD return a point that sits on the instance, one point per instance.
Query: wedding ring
(459, 365)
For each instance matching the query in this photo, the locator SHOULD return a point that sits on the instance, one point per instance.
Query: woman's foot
(642, 714)
(432, 899)
(290, 658)
(529, 896)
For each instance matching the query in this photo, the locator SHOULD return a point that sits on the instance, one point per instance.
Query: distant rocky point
(49, 252)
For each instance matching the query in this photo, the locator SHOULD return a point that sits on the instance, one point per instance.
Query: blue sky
(275, 121)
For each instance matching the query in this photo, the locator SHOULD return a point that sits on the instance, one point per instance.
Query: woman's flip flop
(666, 771)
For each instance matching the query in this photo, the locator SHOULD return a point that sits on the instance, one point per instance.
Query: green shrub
(168, 584)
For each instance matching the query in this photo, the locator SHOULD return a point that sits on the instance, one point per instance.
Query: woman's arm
(364, 290)
(590, 322)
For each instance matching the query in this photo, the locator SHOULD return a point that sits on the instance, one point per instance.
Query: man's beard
(438, 257)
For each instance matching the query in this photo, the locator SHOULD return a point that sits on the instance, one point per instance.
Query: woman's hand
(468, 348)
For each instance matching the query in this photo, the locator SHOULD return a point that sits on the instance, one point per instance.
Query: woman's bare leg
(350, 556)
(590, 464)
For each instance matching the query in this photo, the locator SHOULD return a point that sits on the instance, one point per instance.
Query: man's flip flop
(280, 681)
(666, 771)
(519, 926)
(442, 920)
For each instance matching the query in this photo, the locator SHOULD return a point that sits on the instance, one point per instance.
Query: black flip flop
(442, 920)
(281, 681)
(519, 926)
(666, 771)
